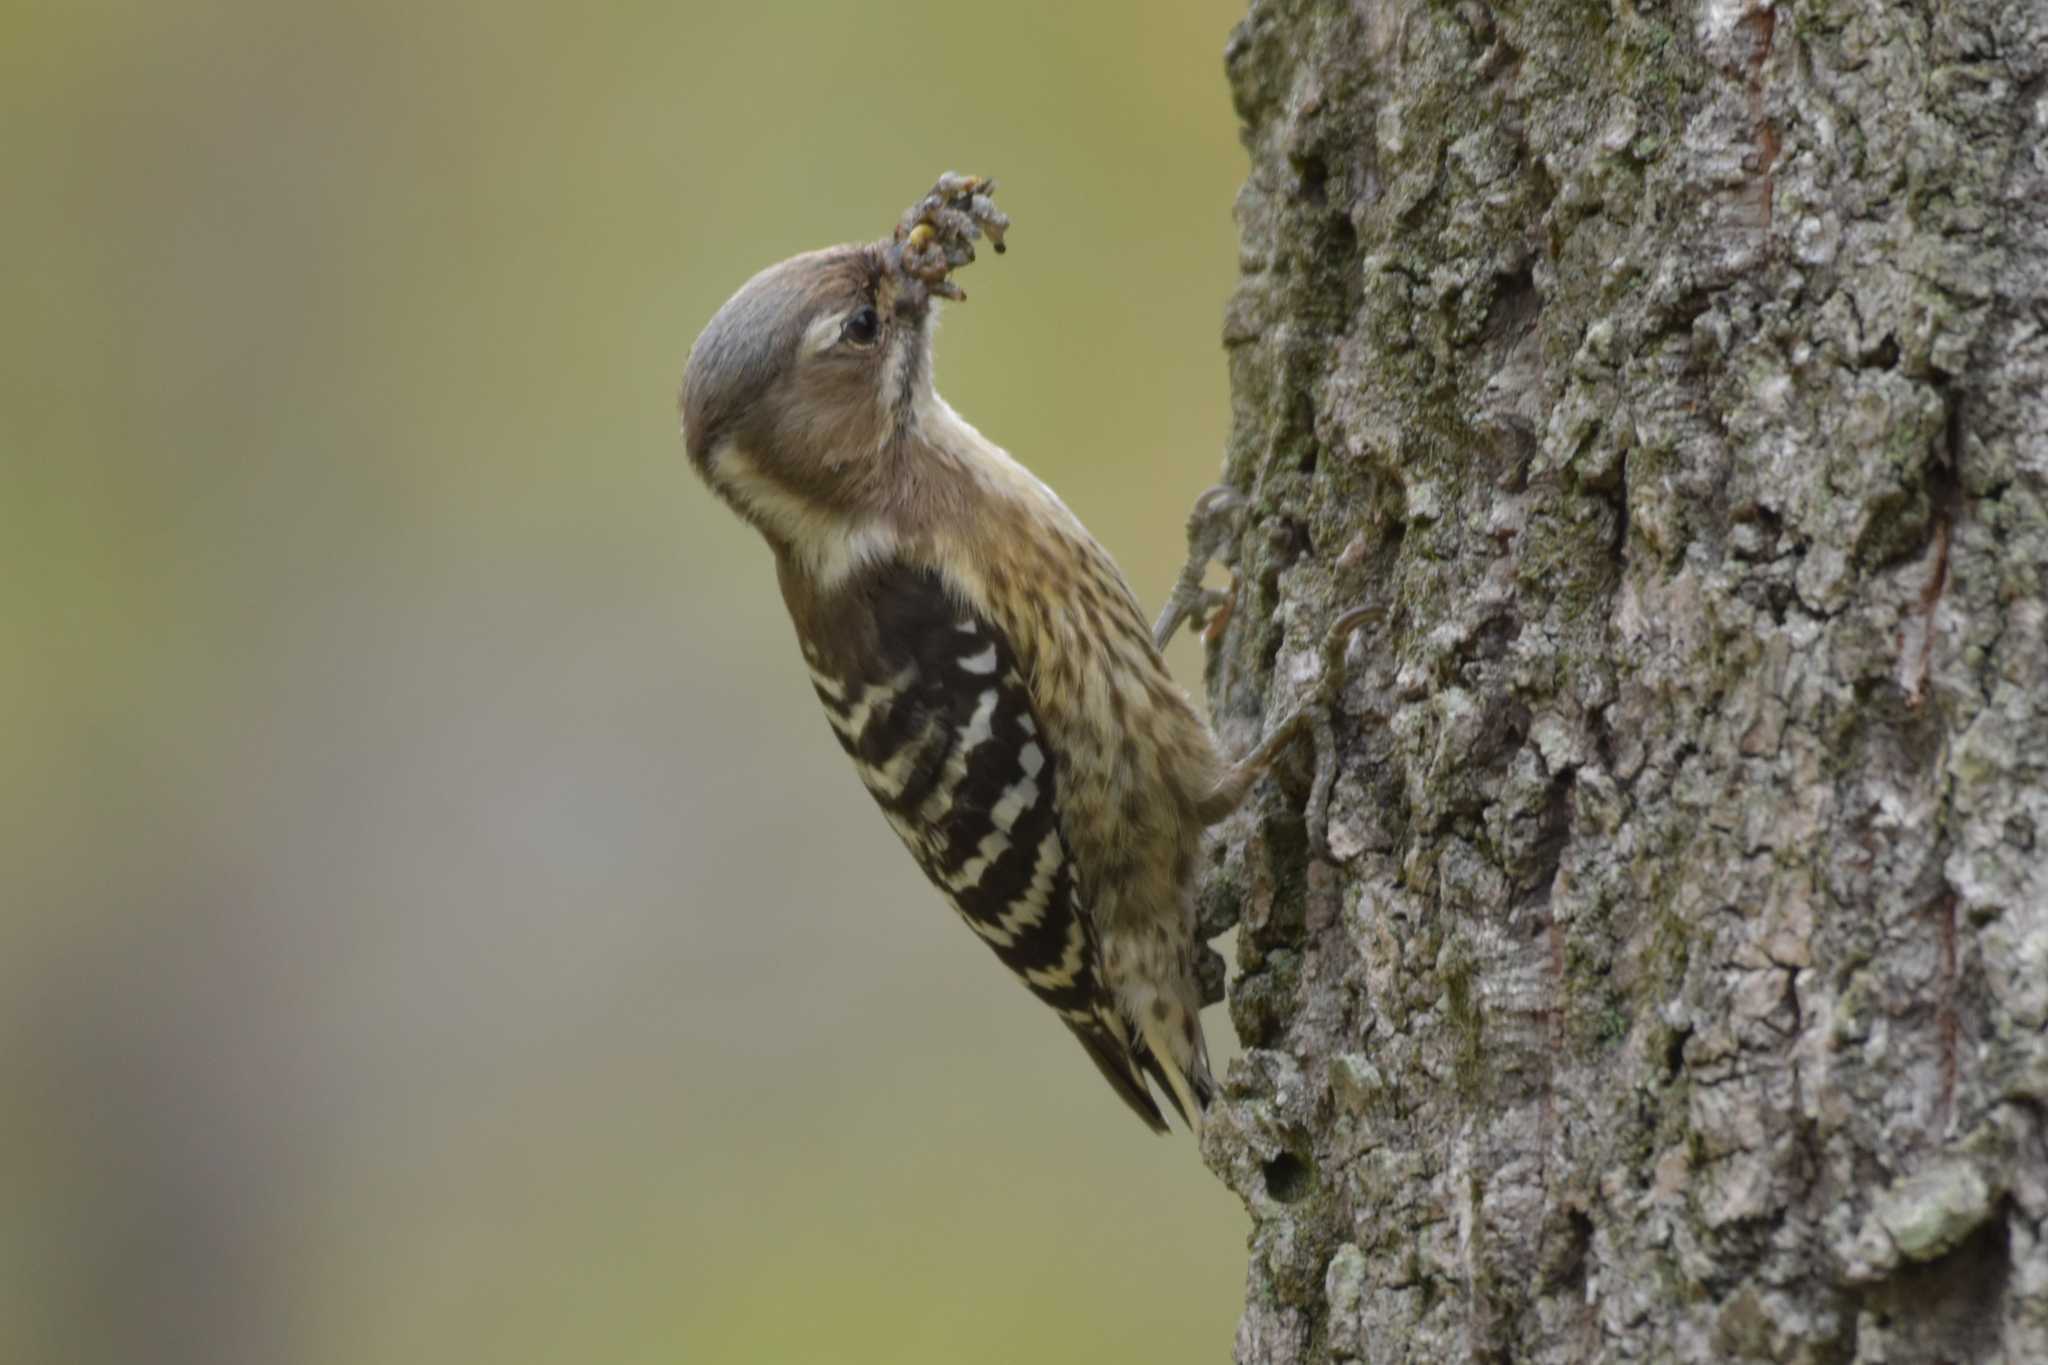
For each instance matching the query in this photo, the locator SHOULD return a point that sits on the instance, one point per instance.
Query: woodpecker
(979, 656)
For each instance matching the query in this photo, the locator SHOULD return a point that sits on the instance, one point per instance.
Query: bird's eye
(862, 327)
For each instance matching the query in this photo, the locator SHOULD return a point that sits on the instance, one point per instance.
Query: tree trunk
(1676, 982)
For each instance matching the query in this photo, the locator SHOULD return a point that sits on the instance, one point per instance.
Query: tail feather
(1149, 1061)
(1190, 1090)
(1113, 1058)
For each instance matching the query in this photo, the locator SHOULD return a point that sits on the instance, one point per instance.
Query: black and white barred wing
(932, 706)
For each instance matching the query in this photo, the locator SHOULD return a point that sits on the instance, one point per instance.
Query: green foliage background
(436, 923)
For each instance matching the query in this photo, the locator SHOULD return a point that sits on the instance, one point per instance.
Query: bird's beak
(913, 302)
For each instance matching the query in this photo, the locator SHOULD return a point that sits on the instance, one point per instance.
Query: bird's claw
(1314, 715)
(1212, 530)
(1320, 708)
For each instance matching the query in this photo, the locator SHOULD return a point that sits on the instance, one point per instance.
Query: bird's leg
(1311, 717)
(1212, 528)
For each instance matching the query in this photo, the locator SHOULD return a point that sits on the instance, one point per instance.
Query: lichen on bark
(1672, 380)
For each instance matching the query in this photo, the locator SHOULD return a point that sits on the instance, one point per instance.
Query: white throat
(830, 546)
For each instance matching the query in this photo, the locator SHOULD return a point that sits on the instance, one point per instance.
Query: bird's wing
(928, 699)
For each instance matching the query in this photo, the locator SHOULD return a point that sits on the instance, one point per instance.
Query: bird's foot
(1212, 531)
(1312, 717)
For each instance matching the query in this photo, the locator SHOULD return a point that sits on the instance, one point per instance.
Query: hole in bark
(1505, 729)
(1619, 548)
(1315, 180)
(1307, 464)
(1494, 636)
(1756, 532)
(1344, 245)
(1288, 1178)
(1568, 1266)
(1950, 1307)
(1546, 851)
(1674, 1051)
(1778, 599)
(1516, 303)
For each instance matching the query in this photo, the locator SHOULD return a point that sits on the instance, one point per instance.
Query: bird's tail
(1175, 1054)
(1120, 1065)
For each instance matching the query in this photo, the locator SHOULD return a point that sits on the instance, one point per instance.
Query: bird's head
(807, 380)
(801, 396)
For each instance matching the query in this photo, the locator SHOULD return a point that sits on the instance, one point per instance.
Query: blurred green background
(436, 922)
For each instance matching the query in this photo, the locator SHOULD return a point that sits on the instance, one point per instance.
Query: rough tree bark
(1676, 983)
